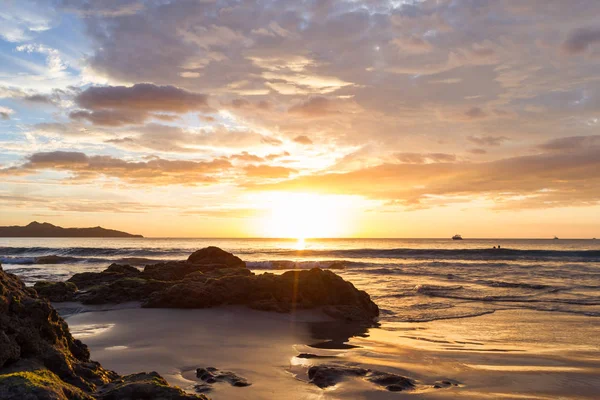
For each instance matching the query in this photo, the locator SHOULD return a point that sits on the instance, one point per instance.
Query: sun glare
(307, 215)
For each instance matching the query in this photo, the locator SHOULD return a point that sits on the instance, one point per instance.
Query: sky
(403, 118)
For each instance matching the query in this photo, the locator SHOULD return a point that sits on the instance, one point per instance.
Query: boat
(555, 238)
(457, 237)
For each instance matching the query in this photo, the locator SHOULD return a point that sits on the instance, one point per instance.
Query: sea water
(412, 280)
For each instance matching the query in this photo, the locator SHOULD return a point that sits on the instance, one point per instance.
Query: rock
(113, 273)
(328, 375)
(212, 375)
(122, 269)
(39, 359)
(143, 386)
(212, 277)
(214, 255)
(392, 382)
(121, 291)
(310, 355)
(36, 332)
(56, 291)
(170, 271)
(38, 384)
(287, 292)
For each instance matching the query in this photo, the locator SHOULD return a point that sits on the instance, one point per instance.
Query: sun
(306, 215)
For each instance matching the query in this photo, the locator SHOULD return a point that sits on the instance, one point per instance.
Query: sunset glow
(304, 215)
(189, 118)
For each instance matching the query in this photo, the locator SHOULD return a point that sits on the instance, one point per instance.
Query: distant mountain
(36, 229)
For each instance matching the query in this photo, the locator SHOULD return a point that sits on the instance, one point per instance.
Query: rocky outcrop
(39, 359)
(142, 386)
(113, 273)
(292, 290)
(214, 255)
(212, 277)
(56, 291)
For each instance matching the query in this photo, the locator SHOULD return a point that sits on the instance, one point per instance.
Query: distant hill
(36, 229)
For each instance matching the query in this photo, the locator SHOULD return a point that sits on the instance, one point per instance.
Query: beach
(509, 354)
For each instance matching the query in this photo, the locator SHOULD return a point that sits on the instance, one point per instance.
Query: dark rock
(143, 386)
(39, 359)
(121, 291)
(113, 273)
(56, 291)
(310, 355)
(214, 255)
(287, 292)
(122, 269)
(444, 384)
(392, 382)
(329, 375)
(213, 277)
(32, 329)
(212, 375)
(171, 271)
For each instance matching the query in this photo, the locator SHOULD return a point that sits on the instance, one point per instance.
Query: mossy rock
(40, 384)
(56, 291)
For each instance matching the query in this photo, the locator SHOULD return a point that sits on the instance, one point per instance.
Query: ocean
(412, 280)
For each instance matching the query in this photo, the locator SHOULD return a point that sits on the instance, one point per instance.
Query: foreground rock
(328, 375)
(39, 359)
(212, 277)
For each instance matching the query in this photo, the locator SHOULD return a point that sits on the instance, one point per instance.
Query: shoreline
(263, 348)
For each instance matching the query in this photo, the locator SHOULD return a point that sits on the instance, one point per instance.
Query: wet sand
(509, 354)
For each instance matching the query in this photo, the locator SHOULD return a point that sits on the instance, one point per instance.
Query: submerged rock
(39, 359)
(329, 375)
(212, 375)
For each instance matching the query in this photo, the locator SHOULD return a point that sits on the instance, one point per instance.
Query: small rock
(212, 375)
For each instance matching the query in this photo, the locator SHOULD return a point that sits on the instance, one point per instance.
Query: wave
(54, 259)
(289, 264)
(94, 251)
(452, 254)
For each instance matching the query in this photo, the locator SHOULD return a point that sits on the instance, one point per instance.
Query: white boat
(457, 237)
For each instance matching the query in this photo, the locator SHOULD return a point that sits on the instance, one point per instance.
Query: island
(44, 229)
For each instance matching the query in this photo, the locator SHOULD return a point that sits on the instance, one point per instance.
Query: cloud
(6, 112)
(313, 107)
(246, 157)
(422, 158)
(477, 151)
(412, 44)
(265, 171)
(475, 113)
(155, 171)
(121, 105)
(581, 39)
(303, 139)
(555, 179)
(572, 143)
(487, 140)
